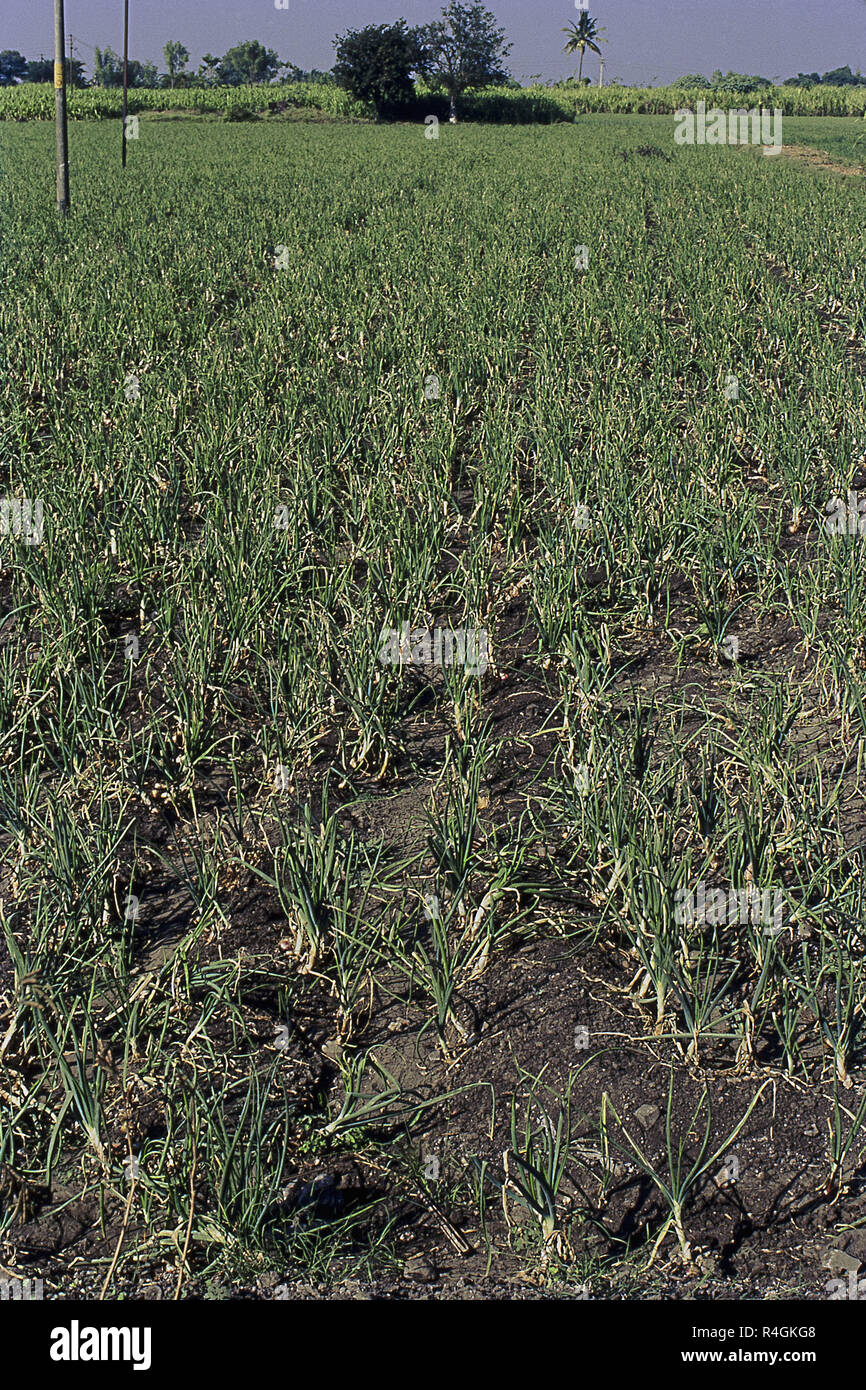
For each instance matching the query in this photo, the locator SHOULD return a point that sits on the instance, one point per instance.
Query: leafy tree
(582, 36)
(842, 77)
(176, 58)
(738, 82)
(208, 73)
(13, 67)
(107, 68)
(692, 79)
(248, 62)
(292, 73)
(41, 69)
(376, 64)
(464, 49)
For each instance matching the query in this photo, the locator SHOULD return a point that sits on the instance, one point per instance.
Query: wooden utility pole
(60, 111)
(125, 64)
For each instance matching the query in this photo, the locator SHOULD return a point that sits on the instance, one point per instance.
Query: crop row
(35, 101)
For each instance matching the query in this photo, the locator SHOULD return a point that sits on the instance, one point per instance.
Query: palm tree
(582, 36)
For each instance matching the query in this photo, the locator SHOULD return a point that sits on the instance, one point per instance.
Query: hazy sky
(645, 41)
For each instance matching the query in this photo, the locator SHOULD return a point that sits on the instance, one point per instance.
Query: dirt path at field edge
(815, 158)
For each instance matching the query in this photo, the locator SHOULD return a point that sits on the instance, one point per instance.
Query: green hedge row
(35, 101)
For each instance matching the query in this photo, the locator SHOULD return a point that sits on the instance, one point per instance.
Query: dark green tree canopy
(839, 77)
(42, 70)
(464, 49)
(248, 62)
(208, 73)
(843, 77)
(738, 81)
(13, 67)
(377, 63)
(176, 58)
(108, 70)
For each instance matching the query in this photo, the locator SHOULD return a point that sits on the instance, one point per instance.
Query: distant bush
(240, 113)
(502, 106)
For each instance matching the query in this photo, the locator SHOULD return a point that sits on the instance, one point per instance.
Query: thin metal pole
(125, 64)
(60, 111)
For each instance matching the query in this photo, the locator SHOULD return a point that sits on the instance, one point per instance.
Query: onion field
(432, 710)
